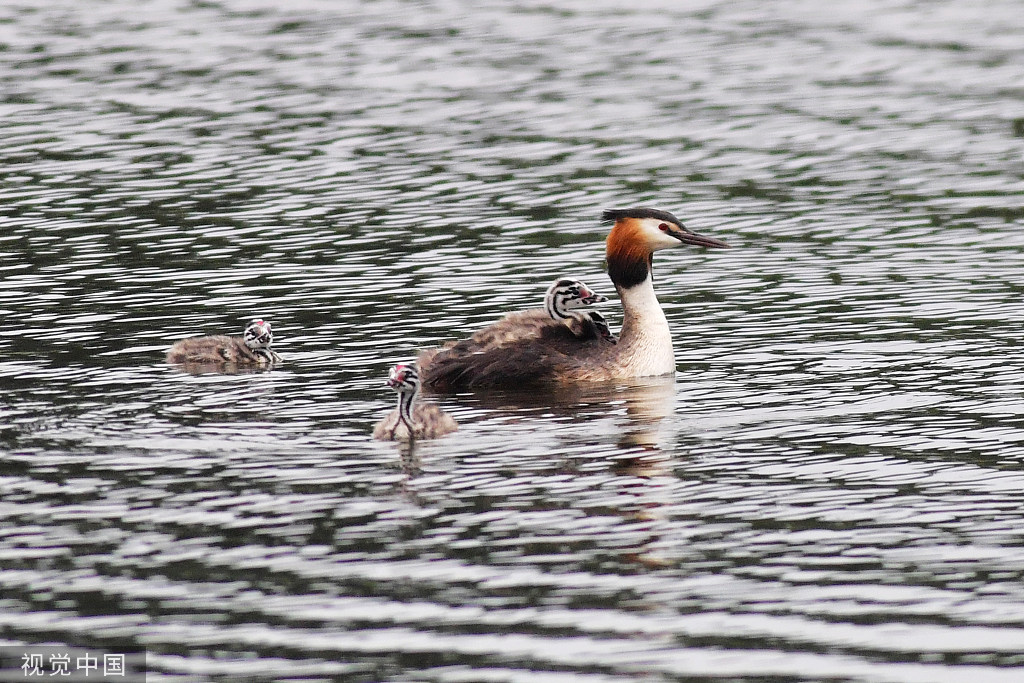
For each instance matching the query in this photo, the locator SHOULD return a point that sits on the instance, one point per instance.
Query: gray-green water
(830, 490)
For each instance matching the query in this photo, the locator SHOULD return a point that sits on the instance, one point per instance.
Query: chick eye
(663, 227)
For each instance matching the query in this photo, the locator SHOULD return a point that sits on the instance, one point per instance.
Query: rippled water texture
(830, 490)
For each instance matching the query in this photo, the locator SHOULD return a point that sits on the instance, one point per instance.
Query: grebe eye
(663, 227)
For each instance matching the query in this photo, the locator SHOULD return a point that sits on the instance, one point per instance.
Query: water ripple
(830, 489)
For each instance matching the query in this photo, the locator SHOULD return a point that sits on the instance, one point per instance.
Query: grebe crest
(411, 419)
(538, 353)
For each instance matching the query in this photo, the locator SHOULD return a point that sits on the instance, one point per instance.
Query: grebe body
(252, 348)
(412, 419)
(556, 353)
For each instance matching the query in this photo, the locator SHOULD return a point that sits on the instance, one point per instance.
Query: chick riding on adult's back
(550, 352)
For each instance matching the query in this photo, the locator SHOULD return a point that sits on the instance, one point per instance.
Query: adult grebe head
(569, 295)
(637, 234)
(258, 335)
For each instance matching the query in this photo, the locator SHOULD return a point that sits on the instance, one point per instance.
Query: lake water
(831, 489)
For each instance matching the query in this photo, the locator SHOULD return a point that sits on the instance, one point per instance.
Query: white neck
(645, 345)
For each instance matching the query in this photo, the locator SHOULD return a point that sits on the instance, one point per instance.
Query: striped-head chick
(404, 378)
(258, 335)
(567, 295)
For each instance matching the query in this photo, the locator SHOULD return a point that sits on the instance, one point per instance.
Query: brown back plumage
(514, 328)
(543, 351)
(211, 350)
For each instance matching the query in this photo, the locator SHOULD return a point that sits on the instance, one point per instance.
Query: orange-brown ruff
(627, 249)
(531, 350)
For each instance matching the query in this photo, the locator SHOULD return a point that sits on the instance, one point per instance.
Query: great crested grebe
(544, 353)
(411, 420)
(252, 348)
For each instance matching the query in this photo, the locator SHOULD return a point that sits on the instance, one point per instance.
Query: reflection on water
(830, 489)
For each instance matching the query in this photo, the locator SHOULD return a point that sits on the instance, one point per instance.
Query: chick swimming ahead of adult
(548, 352)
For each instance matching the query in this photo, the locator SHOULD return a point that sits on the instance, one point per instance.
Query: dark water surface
(830, 490)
